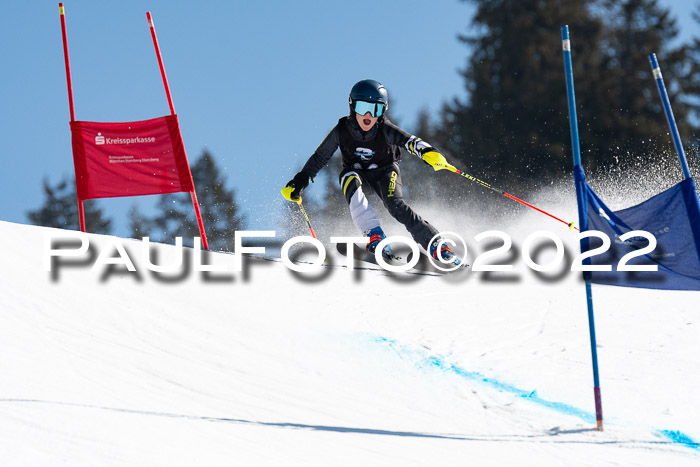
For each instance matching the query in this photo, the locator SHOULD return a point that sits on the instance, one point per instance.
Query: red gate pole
(66, 58)
(160, 62)
(193, 193)
(62, 11)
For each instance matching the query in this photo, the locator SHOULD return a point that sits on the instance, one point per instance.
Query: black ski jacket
(378, 147)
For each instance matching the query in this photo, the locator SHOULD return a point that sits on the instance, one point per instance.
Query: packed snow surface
(272, 367)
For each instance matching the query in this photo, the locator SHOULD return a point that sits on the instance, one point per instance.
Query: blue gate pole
(669, 114)
(581, 196)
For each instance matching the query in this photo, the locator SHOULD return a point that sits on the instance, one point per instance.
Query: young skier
(370, 146)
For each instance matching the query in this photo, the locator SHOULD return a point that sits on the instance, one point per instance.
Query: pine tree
(691, 83)
(513, 127)
(630, 101)
(514, 124)
(60, 210)
(176, 218)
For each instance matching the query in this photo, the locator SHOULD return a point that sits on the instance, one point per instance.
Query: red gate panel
(129, 158)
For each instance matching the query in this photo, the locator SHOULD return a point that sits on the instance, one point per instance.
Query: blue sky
(259, 84)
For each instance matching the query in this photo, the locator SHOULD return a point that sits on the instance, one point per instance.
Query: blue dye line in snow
(680, 438)
(423, 359)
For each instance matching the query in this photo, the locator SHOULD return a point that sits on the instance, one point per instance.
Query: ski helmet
(368, 90)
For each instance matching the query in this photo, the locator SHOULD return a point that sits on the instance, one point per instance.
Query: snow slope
(272, 367)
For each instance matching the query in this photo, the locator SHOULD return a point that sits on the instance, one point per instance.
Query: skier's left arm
(416, 146)
(426, 152)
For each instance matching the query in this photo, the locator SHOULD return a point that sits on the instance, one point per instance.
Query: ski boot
(376, 235)
(445, 255)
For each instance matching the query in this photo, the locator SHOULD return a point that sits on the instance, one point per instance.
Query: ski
(361, 254)
(425, 264)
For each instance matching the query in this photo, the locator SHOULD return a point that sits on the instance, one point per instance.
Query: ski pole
(287, 193)
(308, 222)
(507, 195)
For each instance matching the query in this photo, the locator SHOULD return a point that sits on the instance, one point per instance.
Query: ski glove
(427, 153)
(435, 159)
(296, 186)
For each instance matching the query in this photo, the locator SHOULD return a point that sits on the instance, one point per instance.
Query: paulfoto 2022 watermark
(61, 248)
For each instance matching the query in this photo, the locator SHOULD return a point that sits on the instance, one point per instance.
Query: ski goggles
(376, 109)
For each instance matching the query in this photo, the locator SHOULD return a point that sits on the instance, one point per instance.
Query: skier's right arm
(316, 162)
(323, 154)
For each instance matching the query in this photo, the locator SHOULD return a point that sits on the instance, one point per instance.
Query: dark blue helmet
(368, 90)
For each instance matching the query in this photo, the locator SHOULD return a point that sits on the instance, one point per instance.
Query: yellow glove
(436, 160)
(295, 186)
(287, 193)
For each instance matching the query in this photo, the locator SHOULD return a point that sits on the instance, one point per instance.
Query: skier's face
(366, 121)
